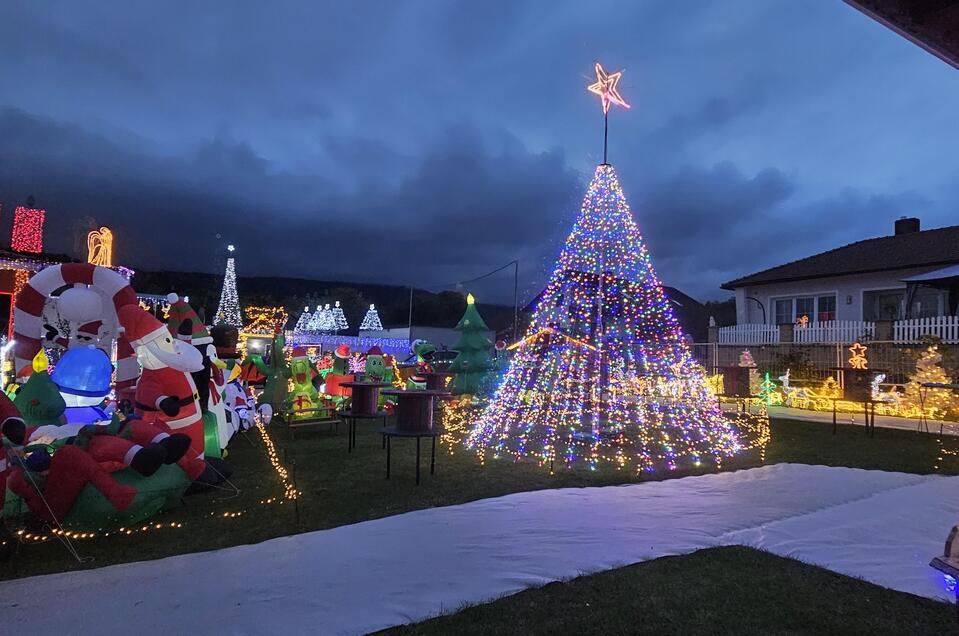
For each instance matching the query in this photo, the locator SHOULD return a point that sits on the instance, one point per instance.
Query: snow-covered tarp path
(883, 527)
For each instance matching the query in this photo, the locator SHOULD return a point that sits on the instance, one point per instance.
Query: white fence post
(843, 331)
(835, 331)
(749, 334)
(913, 329)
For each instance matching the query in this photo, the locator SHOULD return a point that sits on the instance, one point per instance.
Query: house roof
(927, 248)
(29, 261)
(943, 275)
(931, 24)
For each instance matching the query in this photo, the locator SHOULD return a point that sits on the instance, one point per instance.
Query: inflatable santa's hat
(184, 322)
(139, 327)
(374, 351)
(343, 351)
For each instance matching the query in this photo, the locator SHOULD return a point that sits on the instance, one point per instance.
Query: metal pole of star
(605, 134)
(605, 87)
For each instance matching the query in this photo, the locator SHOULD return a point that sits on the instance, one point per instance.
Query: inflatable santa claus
(165, 394)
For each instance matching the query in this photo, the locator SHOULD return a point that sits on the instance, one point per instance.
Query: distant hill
(442, 309)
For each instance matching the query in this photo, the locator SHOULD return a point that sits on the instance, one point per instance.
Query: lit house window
(885, 304)
(784, 311)
(826, 309)
(814, 308)
(890, 304)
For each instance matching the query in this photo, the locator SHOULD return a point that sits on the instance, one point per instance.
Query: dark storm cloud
(428, 142)
(466, 201)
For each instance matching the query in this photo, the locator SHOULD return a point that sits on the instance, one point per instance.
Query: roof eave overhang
(733, 285)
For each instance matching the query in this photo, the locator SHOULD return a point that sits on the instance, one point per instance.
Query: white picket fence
(749, 334)
(834, 332)
(912, 330)
(844, 332)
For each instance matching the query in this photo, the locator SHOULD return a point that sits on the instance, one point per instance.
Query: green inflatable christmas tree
(472, 364)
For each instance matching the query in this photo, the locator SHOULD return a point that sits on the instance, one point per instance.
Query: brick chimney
(907, 225)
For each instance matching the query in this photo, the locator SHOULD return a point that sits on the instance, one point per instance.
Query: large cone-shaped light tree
(472, 363)
(604, 373)
(228, 310)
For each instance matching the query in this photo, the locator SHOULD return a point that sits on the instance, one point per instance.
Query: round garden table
(365, 396)
(414, 409)
(390, 433)
(363, 406)
(436, 380)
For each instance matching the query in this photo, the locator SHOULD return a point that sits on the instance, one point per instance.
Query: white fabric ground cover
(883, 527)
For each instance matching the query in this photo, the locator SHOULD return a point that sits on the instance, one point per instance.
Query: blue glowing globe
(83, 371)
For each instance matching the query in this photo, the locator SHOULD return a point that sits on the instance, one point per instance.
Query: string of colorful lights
(27, 230)
(604, 374)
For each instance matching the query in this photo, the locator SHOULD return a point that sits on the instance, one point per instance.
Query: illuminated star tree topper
(605, 87)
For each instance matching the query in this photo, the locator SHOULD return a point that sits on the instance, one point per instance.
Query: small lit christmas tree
(472, 363)
(228, 310)
(746, 360)
(767, 390)
(322, 321)
(371, 321)
(936, 402)
(339, 318)
(303, 322)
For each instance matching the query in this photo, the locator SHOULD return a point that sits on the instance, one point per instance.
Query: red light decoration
(27, 230)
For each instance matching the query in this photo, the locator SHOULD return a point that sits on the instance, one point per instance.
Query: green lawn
(340, 488)
(732, 590)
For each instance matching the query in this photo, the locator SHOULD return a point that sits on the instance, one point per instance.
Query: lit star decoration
(604, 374)
(605, 87)
(857, 357)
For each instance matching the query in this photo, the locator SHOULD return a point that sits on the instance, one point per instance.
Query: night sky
(425, 142)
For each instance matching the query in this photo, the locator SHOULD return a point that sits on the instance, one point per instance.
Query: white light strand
(229, 309)
(371, 321)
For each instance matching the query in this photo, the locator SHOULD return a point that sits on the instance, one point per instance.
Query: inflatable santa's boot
(177, 445)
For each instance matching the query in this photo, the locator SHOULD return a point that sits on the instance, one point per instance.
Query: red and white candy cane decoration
(28, 323)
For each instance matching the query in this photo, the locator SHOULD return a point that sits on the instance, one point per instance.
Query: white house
(911, 274)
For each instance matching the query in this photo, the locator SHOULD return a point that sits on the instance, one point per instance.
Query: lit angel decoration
(100, 247)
